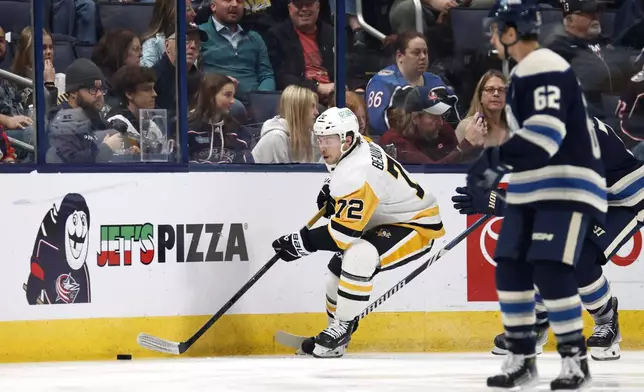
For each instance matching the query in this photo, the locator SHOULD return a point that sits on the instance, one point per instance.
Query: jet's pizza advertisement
(130, 245)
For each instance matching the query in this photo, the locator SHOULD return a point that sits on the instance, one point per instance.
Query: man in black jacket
(165, 71)
(601, 69)
(301, 49)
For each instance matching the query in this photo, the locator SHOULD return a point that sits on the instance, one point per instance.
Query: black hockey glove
(293, 246)
(487, 171)
(325, 197)
(477, 202)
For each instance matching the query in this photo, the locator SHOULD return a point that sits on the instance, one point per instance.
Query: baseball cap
(585, 6)
(192, 28)
(420, 99)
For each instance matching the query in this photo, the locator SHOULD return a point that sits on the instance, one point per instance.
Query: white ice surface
(353, 373)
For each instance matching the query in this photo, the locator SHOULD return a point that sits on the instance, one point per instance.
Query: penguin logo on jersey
(58, 268)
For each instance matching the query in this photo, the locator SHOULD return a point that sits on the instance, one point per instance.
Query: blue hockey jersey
(624, 173)
(553, 152)
(380, 91)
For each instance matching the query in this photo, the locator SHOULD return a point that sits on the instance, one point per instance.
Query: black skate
(518, 372)
(501, 343)
(604, 342)
(335, 336)
(574, 369)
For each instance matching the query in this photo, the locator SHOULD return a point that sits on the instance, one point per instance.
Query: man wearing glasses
(74, 131)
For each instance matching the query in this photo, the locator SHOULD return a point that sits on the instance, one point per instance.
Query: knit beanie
(82, 73)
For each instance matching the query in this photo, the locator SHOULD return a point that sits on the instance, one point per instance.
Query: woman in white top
(288, 137)
(486, 113)
(161, 26)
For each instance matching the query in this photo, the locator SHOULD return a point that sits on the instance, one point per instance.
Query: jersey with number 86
(371, 189)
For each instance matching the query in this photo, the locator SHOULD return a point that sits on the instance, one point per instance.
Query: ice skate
(501, 343)
(574, 369)
(518, 372)
(604, 342)
(335, 336)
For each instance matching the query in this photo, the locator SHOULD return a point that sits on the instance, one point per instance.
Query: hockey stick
(295, 341)
(167, 346)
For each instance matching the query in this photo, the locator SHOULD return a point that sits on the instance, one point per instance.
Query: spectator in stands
(214, 136)
(402, 15)
(486, 116)
(419, 133)
(359, 108)
(161, 26)
(630, 112)
(165, 85)
(115, 49)
(359, 40)
(77, 18)
(235, 52)
(23, 66)
(288, 137)
(7, 152)
(3, 45)
(74, 127)
(301, 49)
(134, 88)
(599, 67)
(410, 69)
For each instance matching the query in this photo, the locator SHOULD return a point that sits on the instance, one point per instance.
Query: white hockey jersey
(370, 189)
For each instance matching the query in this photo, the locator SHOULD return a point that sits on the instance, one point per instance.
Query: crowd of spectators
(260, 71)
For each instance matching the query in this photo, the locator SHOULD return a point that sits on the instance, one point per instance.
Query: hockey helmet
(523, 15)
(337, 121)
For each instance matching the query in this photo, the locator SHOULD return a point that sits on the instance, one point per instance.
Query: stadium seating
(132, 16)
(264, 105)
(15, 15)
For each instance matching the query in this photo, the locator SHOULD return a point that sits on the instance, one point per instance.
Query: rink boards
(120, 254)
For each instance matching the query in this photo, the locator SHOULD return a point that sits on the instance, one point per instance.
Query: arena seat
(64, 53)
(263, 105)
(15, 15)
(83, 50)
(132, 16)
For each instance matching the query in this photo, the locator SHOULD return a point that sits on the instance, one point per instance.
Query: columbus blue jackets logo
(58, 268)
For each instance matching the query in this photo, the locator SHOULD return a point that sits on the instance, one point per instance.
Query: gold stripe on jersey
(429, 231)
(409, 246)
(363, 287)
(352, 213)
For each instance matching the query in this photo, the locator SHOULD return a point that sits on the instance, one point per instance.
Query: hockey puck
(124, 357)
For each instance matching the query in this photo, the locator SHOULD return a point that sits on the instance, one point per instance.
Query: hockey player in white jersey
(382, 219)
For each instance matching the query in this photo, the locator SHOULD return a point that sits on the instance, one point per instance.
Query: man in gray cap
(73, 131)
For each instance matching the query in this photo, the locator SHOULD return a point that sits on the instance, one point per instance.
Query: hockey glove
(487, 171)
(470, 201)
(325, 197)
(293, 246)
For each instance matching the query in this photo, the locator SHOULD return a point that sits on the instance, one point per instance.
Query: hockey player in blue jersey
(556, 189)
(410, 69)
(625, 181)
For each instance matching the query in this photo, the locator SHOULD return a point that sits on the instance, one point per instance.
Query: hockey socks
(596, 298)
(516, 299)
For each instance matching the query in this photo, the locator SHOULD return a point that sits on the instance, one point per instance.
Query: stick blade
(289, 340)
(157, 344)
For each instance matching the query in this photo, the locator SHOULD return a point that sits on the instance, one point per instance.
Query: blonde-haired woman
(288, 137)
(486, 115)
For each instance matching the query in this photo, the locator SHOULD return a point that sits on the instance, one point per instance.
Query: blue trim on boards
(201, 168)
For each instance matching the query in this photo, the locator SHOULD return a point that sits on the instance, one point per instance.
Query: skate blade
(530, 385)
(501, 351)
(611, 353)
(325, 352)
